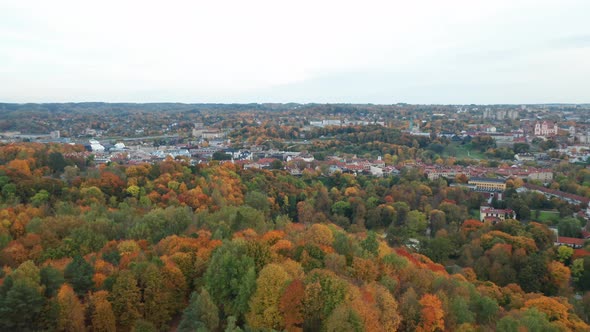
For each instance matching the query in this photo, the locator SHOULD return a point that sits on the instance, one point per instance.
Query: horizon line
(292, 102)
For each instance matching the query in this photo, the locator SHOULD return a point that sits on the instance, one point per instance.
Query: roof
(570, 240)
(580, 253)
(558, 193)
(489, 209)
(488, 180)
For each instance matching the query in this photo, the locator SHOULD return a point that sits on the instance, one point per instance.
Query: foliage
(133, 247)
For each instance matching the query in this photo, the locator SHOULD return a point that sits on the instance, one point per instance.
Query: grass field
(462, 151)
(544, 215)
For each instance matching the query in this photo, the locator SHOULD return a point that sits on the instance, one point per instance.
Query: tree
(56, 162)
(71, 311)
(437, 219)
(231, 277)
(276, 164)
(482, 143)
(560, 276)
(304, 212)
(156, 299)
(410, 310)
(324, 291)
(201, 313)
(364, 269)
(533, 274)
(343, 318)
(40, 198)
(389, 318)
(432, 313)
(459, 311)
(342, 208)
(102, 317)
(486, 309)
(569, 227)
(79, 274)
(264, 304)
(535, 320)
(416, 223)
(520, 147)
(20, 306)
(231, 325)
(564, 253)
(438, 249)
(220, 155)
(319, 235)
(550, 307)
(291, 305)
(176, 286)
(257, 200)
(370, 243)
(52, 279)
(543, 236)
(142, 325)
(125, 299)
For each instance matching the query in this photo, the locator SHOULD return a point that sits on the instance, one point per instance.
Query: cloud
(263, 50)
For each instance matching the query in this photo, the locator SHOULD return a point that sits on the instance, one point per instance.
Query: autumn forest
(173, 245)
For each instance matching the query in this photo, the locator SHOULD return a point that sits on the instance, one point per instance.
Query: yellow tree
(156, 305)
(560, 275)
(555, 310)
(320, 235)
(389, 317)
(264, 304)
(71, 311)
(125, 298)
(101, 311)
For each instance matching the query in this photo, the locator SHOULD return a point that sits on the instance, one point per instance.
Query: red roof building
(570, 242)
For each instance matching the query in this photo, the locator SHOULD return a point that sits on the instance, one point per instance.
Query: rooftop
(570, 240)
(488, 180)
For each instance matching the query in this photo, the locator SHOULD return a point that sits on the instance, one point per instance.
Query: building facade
(488, 213)
(545, 128)
(488, 184)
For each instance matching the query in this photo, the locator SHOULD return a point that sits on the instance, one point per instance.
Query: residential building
(488, 213)
(570, 242)
(488, 184)
(545, 128)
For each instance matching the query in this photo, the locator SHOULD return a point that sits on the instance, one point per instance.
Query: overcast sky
(424, 52)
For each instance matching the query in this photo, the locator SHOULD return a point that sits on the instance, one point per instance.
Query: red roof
(557, 193)
(578, 253)
(570, 240)
(585, 235)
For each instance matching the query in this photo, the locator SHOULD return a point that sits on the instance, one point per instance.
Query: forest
(216, 247)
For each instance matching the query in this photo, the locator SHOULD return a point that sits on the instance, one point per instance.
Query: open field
(460, 151)
(544, 215)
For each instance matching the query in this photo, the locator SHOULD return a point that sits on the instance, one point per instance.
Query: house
(545, 128)
(570, 242)
(488, 213)
(95, 146)
(376, 171)
(524, 157)
(488, 184)
(549, 193)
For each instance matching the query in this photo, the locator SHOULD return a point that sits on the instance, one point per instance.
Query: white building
(95, 146)
(545, 129)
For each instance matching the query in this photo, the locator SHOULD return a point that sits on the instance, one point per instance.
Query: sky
(382, 52)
